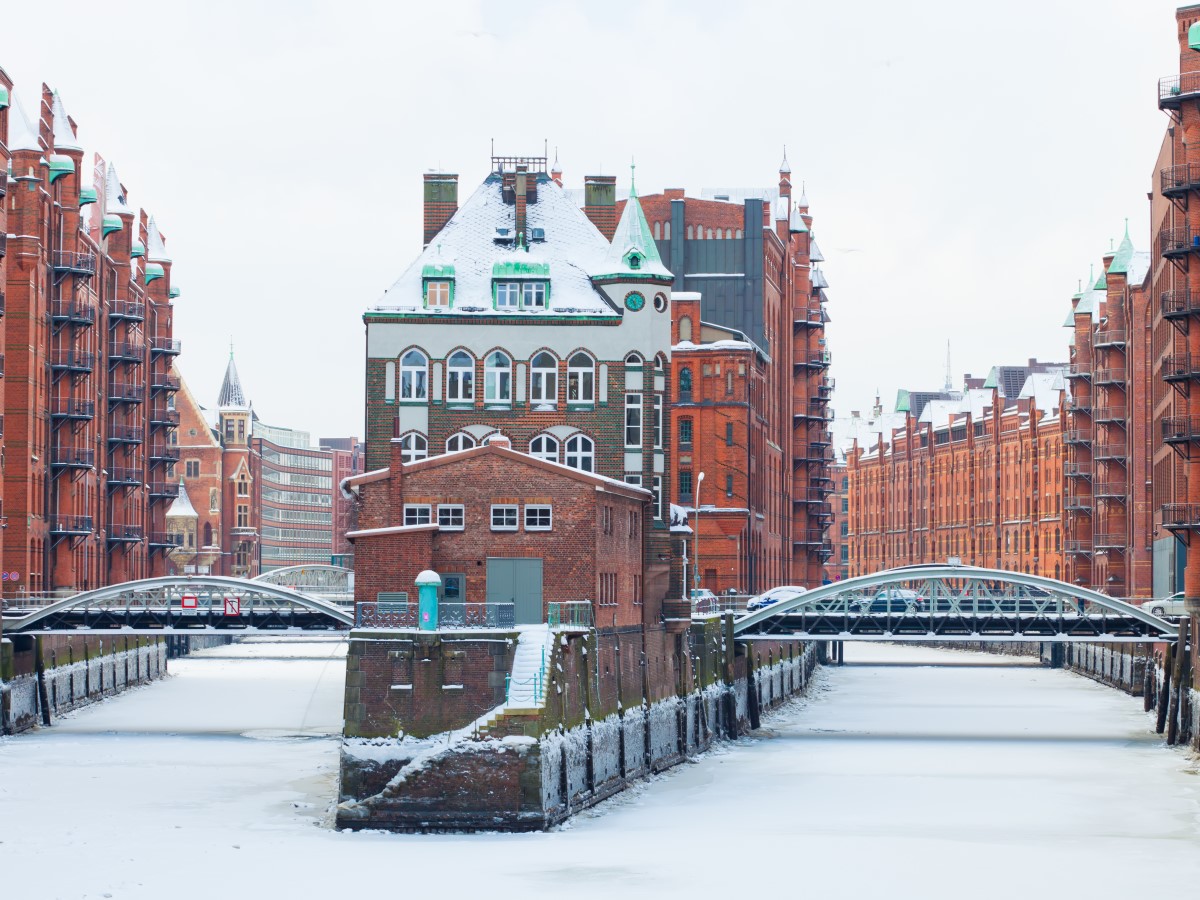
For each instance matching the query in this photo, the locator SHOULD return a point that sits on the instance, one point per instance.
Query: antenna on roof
(949, 378)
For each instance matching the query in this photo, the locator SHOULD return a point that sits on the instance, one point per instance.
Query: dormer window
(533, 295)
(635, 261)
(527, 295)
(508, 295)
(438, 280)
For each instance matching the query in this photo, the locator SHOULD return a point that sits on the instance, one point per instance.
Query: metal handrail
(1181, 428)
(1179, 303)
(1179, 366)
(1109, 376)
(1181, 515)
(1176, 241)
(1174, 88)
(1185, 176)
(570, 614)
(72, 261)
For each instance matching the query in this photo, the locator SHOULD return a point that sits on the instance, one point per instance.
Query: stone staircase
(528, 680)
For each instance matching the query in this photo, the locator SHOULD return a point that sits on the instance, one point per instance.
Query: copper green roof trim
(992, 378)
(3, 97)
(1070, 323)
(109, 224)
(87, 195)
(1124, 255)
(1194, 36)
(60, 165)
(437, 270)
(520, 269)
(153, 271)
(902, 402)
(173, 292)
(138, 249)
(1101, 283)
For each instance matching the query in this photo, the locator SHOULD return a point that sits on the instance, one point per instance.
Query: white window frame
(543, 379)
(538, 447)
(437, 294)
(658, 421)
(657, 491)
(504, 509)
(537, 509)
(389, 381)
(459, 441)
(415, 512)
(496, 377)
(449, 524)
(584, 454)
(633, 411)
(508, 295)
(414, 377)
(460, 378)
(534, 295)
(580, 377)
(634, 479)
(414, 446)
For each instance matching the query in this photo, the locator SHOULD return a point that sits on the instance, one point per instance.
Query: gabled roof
(21, 133)
(232, 395)
(633, 238)
(1124, 255)
(573, 250)
(182, 505)
(114, 196)
(1044, 389)
(156, 250)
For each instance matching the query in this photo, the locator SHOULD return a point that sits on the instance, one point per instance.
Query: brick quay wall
(429, 746)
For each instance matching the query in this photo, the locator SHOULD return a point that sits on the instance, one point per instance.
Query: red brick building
(501, 527)
(750, 369)
(87, 332)
(974, 474)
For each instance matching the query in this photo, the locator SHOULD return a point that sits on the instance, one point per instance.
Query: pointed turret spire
(1124, 255)
(633, 251)
(232, 396)
(114, 196)
(21, 133)
(803, 201)
(182, 507)
(156, 250)
(64, 137)
(784, 167)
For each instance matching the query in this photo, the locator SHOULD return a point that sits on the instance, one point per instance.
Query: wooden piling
(43, 693)
(1164, 690)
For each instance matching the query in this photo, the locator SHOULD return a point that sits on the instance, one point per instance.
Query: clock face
(634, 301)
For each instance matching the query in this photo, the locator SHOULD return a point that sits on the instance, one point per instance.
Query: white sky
(965, 165)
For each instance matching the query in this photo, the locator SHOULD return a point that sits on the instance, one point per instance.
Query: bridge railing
(401, 614)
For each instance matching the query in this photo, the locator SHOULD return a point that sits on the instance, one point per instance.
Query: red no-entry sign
(188, 601)
(233, 606)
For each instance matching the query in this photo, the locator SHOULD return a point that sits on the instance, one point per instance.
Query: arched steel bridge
(946, 603)
(183, 605)
(332, 583)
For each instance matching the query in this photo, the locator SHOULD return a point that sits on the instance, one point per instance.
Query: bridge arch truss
(955, 604)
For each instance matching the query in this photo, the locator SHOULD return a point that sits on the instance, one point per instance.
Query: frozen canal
(910, 773)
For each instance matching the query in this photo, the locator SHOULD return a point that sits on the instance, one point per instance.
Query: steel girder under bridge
(183, 605)
(946, 603)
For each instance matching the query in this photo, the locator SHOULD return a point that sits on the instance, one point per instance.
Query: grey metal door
(517, 581)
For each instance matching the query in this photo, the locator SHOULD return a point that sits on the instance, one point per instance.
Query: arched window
(414, 374)
(208, 534)
(389, 381)
(634, 359)
(657, 231)
(666, 231)
(544, 447)
(413, 446)
(581, 379)
(497, 379)
(460, 441)
(738, 234)
(660, 362)
(685, 384)
(688, 232)
(460, 377)
(685, 328)
(581, 453)
(543, 379)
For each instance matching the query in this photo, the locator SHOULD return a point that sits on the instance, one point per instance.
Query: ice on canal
(908, 773)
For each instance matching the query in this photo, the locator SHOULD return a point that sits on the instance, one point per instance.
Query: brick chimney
(519, 201)
(498, 440)
(600, 202)
(441, 202)
(395, 484)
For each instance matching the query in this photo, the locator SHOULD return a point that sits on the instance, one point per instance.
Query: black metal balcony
(1113, 415)
(810, 537)
(1077, 436)
(1175, 89)
(1078, 503)
(163, 489)
(164, 540)
(125, 434)
(72, 361)
(1080, 406)
(129, 310)
(71, 408)
(126, 351)
(1110, 337)
(124, 392)
(1178, 242)
(124, 534)
(73, 312)
(124, 476)
(70, 262)
(165, 345)
(3, 243)
(1109, 376)
(1176, 181)
(2, 305)
(163, 453)
(1078, 547)
(1112, 452)
(1111, 490)
(160, 416)
(1180, 368)
(160, 381)
(1179, 304)
(3, 182)
(1181, 430)
(1080, 370)
(808, 318)
(1078, 470)
(1181, 516)
(1109, 542)
(70, 525)
(820, 359)
(72, 457)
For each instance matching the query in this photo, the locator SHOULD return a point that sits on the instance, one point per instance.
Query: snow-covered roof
(632, 236)
(64, 137)
(573, 250)
(865, 429)
(182, 505)
(232, 395)
(115, 200)
(1139, 265)
(1044, 389)
(21, 133)
(938, 412)
(814, 252)
(740, 195)
(156, 250)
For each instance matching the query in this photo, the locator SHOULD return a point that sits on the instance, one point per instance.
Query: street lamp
(696, 537)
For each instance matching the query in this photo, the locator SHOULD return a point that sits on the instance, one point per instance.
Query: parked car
(895, 600)
(773, 596)
(703, 595)
(1167, 606)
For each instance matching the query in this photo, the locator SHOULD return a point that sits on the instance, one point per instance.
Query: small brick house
(501, 526)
